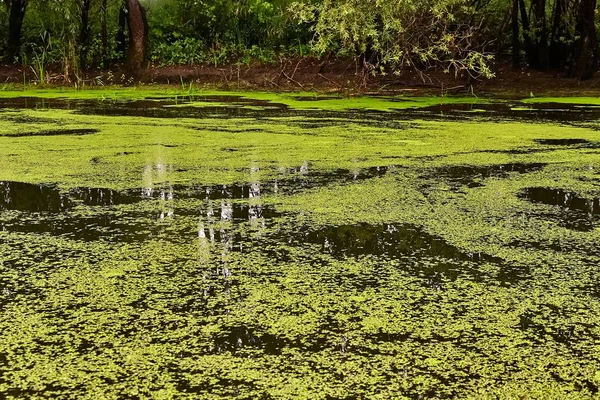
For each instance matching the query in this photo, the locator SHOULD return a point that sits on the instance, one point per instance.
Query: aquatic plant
(239, 245)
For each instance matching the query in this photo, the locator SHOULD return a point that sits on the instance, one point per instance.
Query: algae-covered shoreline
(253, 245)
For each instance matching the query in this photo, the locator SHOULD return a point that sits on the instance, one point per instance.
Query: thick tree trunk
(585, 47)
(138, 37)
(16, 14)
(516, 42)
(84, 34)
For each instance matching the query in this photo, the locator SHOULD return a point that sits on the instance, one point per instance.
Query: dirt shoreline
(343, 76)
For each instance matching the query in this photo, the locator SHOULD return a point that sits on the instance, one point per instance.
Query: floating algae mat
(250, 245)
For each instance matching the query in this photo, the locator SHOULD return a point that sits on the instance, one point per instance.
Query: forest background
(73, 40)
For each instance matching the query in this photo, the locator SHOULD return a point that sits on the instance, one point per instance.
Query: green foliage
(219, 31)
(181, 51)
(456, 36)
(39, 66)
(397, 34)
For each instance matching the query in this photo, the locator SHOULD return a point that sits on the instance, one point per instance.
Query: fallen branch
(292, 80)
(296, 69)
(326, 78)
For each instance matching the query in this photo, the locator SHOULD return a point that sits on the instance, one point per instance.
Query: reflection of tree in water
(165, 193)
(255, 206)
(299, 177)
(33, 198)
(572, 210)
(220, 216)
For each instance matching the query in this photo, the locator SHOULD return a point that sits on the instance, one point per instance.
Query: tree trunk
(121, 39)
(541, 34)
(16, 14)
(104, 33)
(138, 37)
(585, 47)
(557, 48)
(84, 34)
(529, 49)
(516, 42)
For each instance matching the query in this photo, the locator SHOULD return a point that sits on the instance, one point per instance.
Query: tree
(104, 34)
(586, 46)
(122, 29)
(16, 13)
(516, 42)
(540, 33)
(558, 50)
(84, 32)
(137, 24)
(396, 34)
(569, 42)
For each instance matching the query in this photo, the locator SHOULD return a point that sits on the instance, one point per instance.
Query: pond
(254, 245)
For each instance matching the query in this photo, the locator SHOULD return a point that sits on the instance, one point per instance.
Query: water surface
(232, 246)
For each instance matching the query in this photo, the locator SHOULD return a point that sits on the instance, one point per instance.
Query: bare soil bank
(334, 75)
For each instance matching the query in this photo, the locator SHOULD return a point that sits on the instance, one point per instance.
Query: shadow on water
(107, 227)
(107, 220)
(57, 132)
(237, 339)
(564, 142)
(391, 241)
(102, 197)
(472, 175)
(552, 112)
(576, 212)
(242, 107)
(34, 198)
(21, 196)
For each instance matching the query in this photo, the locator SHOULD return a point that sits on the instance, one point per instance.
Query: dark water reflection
(576, 212)
(34, 198)
(47, 197)
(565, 142)
(46, 209)
(390, 240)
(102, 197)
(472, 176)
(241, 107)
(55, 132)
(219, 210)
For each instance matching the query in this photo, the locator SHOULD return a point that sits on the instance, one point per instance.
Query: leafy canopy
(396, 34)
